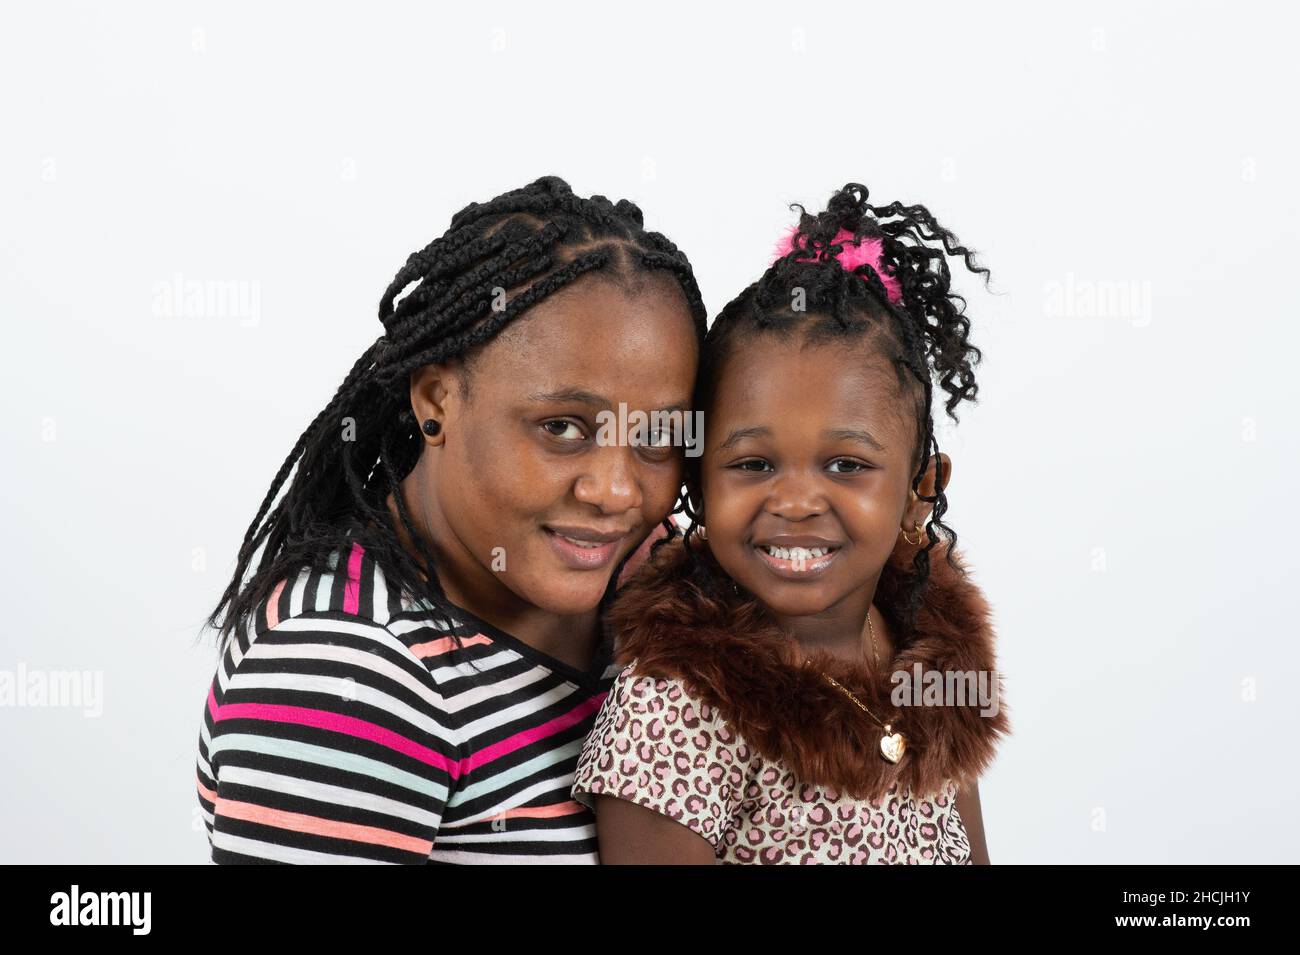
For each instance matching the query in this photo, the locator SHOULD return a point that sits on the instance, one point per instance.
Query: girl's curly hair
(923, 334)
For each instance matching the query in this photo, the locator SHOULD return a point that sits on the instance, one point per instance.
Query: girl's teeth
(580, 543)
(797, 553)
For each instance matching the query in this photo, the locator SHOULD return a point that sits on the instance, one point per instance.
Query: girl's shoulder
(670, 698)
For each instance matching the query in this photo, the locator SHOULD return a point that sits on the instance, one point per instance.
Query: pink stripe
(434, 648)
(273, 606)
(334, 722)
(315, 825)
(352, 589)
(527, 737)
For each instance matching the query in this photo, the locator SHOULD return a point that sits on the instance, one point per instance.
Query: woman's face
(523, 500)
(806, 446)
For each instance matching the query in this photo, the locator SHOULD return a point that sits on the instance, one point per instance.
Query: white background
(1122, 489)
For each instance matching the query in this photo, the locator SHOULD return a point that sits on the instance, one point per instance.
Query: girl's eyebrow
(838, 434)
(740, 434)
(850, 434)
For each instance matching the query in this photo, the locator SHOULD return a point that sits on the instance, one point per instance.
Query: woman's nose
(612, 482)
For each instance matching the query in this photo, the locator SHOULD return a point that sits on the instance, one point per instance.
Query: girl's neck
(841, 630)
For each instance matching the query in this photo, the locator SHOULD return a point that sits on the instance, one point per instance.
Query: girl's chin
(804, 604)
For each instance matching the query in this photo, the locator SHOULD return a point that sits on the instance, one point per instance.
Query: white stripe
(380, 612)
(516, 799)
(503, 780)
(361, 659)
(455, 671)
(405, 626)
(321, 792)
(502, 688)
(521, 836)
(267, 850)
(344, 689)
(295, 595)
(484, 858)
(235, 654)
(523, 708)
(356, 625)
(563, 782)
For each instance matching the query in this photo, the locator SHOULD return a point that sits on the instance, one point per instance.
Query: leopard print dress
(656, 745)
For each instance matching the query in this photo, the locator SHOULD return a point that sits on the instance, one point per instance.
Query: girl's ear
(938, 475)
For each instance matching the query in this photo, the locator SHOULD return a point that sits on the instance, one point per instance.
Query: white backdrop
(1126, 170)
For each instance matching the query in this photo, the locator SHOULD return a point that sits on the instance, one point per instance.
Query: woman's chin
(568, 598)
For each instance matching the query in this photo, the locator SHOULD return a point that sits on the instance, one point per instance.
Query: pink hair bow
(853, 254)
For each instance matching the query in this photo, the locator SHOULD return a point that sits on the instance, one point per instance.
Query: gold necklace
(892, 745)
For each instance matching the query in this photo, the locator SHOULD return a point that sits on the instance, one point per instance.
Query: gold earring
(916, 529)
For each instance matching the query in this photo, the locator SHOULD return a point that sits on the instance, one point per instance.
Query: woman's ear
(937, 476)
(435, 390)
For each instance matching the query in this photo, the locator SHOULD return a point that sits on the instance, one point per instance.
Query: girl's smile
(797, 557)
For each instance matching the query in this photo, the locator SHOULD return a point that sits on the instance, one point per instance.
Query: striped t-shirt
(350, 728)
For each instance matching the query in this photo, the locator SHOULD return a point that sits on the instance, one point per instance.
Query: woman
(410, 672)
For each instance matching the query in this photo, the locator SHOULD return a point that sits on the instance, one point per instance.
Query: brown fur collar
(730, 653)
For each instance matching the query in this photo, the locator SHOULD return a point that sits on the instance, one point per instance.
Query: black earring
(432, 427)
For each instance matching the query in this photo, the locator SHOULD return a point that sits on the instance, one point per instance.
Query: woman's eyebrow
(572, 394)
(582, 396)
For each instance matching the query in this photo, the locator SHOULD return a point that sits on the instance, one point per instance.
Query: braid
(528, 244)
(925, 335)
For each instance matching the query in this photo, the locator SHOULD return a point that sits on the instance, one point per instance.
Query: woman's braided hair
(925, 332)
(496, 260)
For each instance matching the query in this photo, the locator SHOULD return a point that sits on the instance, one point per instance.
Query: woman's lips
(581, 550)
(797, 567)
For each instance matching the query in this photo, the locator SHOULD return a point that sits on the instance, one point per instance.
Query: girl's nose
(795, 497)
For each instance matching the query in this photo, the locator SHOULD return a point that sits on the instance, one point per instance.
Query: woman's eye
(565, 430)
(849, 466)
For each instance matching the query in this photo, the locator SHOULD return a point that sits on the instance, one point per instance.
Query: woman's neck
(571, 639)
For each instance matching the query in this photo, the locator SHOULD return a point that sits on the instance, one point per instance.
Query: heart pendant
(892, 746)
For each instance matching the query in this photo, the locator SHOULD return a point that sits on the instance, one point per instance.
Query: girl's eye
(850, 466)
(565, 430)
(754, 464)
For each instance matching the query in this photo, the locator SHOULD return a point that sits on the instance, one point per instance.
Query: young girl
(411, 668)
(777, 701)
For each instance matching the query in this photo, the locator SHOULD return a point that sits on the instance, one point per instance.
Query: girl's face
(807, 446)
(527, 507)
